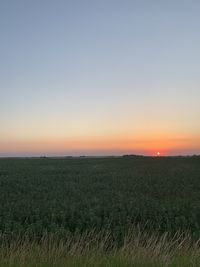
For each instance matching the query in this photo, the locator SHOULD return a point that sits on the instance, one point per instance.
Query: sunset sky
(99, 77)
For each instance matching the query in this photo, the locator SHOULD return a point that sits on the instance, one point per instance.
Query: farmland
(62, 197)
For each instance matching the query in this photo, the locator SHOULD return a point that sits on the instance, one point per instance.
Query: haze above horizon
(99, 77)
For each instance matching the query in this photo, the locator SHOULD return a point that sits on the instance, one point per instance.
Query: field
(101, 211)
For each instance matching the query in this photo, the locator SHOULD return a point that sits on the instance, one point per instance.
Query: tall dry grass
(139, 249)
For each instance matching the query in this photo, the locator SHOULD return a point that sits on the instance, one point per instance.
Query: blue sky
(99, 77)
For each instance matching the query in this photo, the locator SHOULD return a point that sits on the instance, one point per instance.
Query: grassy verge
(98, 250)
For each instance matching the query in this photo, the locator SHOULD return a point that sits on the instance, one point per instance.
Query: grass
(49, 208)
(92, 249)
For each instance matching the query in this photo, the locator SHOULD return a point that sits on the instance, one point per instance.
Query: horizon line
(101, 156)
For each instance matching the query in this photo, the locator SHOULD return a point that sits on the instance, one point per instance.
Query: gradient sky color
(103, 77)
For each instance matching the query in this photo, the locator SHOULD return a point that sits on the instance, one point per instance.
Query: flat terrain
(67, 194)
(75, 199)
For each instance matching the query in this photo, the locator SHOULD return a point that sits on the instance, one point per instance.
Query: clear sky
(99, 77)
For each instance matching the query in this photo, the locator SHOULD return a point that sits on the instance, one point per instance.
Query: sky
(99, 77)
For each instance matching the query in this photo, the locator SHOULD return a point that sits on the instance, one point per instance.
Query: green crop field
(75, 205)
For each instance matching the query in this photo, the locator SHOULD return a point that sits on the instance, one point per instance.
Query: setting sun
(59, 97)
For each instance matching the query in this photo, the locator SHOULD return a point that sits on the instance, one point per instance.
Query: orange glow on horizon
(113, 145)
